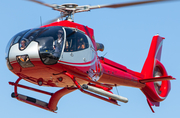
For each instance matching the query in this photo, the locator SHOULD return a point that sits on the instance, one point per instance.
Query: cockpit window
(19, 35)
(15, 39)
(28, 37)
(51, 41)
(75, 41)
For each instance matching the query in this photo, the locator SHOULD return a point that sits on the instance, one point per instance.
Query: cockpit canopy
(52, 42)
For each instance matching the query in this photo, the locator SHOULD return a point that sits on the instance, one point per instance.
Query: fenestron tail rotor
(69, 9)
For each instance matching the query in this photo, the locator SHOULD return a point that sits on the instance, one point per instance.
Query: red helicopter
(64, 54)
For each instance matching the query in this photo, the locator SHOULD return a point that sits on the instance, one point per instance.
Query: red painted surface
(152, 61)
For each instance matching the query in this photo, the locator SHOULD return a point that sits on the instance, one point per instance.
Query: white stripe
(158, 48)
(84, 65)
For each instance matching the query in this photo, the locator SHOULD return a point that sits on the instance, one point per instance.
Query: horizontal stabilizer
(157, 79)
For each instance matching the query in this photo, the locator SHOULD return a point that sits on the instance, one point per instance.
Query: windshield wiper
(74, 31)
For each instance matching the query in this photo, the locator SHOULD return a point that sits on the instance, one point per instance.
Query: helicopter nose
(24, 57)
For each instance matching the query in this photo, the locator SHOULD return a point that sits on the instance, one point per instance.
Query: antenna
(105, 54)
(40, 21)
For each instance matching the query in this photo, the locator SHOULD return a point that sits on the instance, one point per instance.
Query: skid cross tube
(30, 88)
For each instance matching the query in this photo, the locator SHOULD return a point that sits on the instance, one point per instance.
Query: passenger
(81, 44)
(67, 47)
(23, 58)
(23, 45)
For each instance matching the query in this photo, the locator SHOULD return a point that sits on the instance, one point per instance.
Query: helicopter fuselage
(38, 62)
(64, 54)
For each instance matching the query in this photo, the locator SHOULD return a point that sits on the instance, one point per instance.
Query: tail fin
(158, 88)
(153, 55)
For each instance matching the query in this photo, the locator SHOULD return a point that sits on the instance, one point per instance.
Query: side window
(76, 41)
(82, 42)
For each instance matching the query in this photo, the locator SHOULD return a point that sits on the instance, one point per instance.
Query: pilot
(58, 43)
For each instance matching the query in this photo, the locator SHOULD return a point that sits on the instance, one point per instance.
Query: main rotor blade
(125, 4)
(42, 3)
(53, 6)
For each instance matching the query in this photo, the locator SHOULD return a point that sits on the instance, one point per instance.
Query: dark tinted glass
(28, 37)
(13, 40)
(75, 41)
(50, 42)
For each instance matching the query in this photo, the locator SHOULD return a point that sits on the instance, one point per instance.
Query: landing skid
(95, 90)
(51, 106)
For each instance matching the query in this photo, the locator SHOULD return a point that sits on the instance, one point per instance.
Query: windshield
(14, 40)
(28, 37)
(52, 41)
(50, 44)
